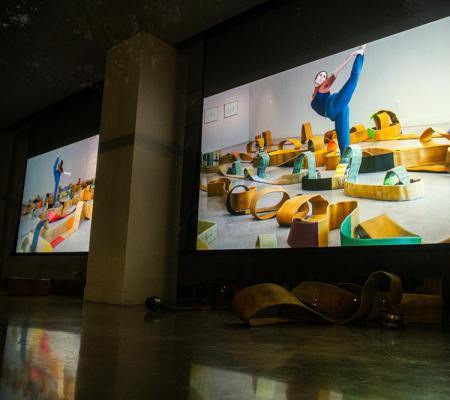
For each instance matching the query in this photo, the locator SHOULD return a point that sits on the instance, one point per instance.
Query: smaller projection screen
(348, 150)
(58, 199)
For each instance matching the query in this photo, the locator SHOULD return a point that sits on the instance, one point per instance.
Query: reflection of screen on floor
(39, 362)
(58, 199)
(361, 134)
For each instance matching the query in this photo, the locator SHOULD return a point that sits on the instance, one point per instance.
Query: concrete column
(133, 246)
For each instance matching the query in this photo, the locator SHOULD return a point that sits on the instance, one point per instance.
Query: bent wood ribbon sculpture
(269, 143)
(397, 185)
(306, 159)
(311, 218)
(346, 169)
(60, 229)
(260, 143)
(259, 174)
(432, 157)
(239, 205)
(266, 241)
(269, 304)
(378, 231)
(306, 132)
(271, 211)
(286, 157)
(313, 231)
(206, 234)
(358, 133)
(286, 179)
(265, 140)
(233, 200)
(245, 201)
(235, 156)
(295, 142)
(387, 127)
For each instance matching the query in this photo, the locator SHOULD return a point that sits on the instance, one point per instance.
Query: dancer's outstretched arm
(348, 59)
(342, 65)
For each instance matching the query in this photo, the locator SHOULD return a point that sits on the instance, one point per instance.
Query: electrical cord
(155, 304)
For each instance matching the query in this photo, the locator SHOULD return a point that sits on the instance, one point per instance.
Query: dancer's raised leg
(342, 125)
(343, 97)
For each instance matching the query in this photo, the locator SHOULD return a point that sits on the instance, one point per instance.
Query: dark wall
(191, 54)
(69, 121)
(271, 38)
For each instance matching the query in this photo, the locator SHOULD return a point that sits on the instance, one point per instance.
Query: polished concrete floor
(55, 348)
(428, 217)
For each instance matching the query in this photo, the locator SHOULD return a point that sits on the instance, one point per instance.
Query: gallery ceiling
(51, 49)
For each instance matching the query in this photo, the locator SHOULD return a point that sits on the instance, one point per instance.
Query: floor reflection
(210, 382)
(70, 350)
(39, 364)
(207, 382)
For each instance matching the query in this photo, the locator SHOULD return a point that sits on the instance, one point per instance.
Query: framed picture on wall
(230, 109)
(211, 115)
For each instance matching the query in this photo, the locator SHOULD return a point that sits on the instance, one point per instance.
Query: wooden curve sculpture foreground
(269, 304)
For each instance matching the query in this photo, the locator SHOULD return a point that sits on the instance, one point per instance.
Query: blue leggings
(36, 234)
(55, 193)
(337, 105)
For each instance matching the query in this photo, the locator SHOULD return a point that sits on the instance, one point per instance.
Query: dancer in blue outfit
(336, 106)
(57, 171)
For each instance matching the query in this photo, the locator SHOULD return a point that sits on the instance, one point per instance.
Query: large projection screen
(58, 199)
(348, 150)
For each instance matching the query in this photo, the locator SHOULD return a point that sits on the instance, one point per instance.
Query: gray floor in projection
(428, 217)
(77, 241)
